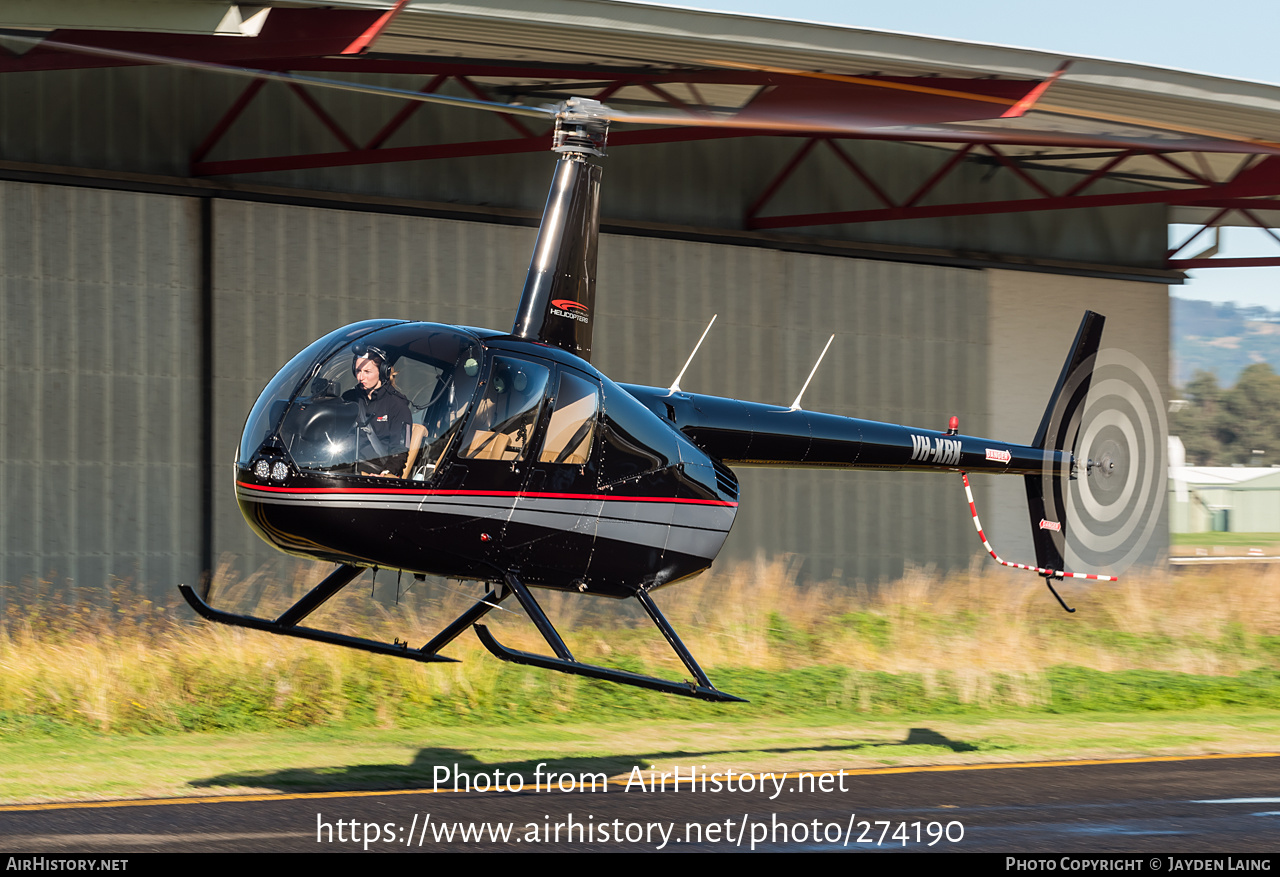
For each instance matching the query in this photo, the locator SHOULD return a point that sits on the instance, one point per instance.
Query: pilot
(383, 421)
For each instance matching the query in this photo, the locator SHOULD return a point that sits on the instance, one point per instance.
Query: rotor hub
(582, 127)
(1107, 464)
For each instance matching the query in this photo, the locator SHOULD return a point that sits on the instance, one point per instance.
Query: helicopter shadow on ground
(422, 772)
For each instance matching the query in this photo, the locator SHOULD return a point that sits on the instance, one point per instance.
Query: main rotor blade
(1203, 137)
(1002, 131)
(278, 76)
(848, 119)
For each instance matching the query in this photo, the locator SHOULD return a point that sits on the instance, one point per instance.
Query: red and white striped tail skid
(973, 510)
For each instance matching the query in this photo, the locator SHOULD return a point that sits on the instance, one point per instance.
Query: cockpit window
(398, 419)
(507, 415)
(572, 423)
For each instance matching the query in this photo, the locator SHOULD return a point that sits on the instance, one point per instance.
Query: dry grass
(109, 660)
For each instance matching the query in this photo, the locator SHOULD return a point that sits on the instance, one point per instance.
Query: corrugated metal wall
(99, 407)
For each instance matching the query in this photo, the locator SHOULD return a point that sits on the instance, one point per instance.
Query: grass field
(1224, 543)
(114, 696)
(1224, 538)
(87, 767)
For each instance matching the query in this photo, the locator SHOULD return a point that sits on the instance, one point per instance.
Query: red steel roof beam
(480, 94)
(404, 113)
(228, 118)
(1100, 172)
(325, 118)
(860, 173)
(1018, 172)
(611, 89)
(1248, 214)
(1017, 205)
(697, 96)
(946, 168)
(1240, 203)
(1243, 262)
(1201, 230)
(665, 95)
(780, 178)
(1181, 168)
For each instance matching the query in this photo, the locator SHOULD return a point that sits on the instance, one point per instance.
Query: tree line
(1228, 426)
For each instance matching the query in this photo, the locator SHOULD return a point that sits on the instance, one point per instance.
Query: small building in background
(1221, 499)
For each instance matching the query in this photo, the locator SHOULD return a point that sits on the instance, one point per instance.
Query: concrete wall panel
(99, 449)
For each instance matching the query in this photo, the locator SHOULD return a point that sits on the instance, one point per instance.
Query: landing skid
(286, 624)
(564, 661)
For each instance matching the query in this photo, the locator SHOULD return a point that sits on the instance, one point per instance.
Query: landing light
(279, 472)
(262, 469)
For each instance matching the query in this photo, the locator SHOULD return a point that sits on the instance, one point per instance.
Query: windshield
(270, 406)
(386, 404)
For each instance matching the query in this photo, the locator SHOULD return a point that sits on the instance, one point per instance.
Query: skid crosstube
(286, 624)
(565, 662)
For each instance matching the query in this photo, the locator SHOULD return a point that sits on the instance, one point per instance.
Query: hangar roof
(613, 34)
(1204, 145)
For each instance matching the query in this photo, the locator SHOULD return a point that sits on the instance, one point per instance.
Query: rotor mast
(557, 305)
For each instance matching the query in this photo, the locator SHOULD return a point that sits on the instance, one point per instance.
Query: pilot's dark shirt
(387, 414)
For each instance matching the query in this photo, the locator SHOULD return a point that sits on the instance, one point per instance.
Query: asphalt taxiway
(1194, 805)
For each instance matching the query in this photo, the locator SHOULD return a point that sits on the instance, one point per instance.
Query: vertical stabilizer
(1058, 431)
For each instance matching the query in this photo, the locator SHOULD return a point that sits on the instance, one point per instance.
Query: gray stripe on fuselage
(689, 528)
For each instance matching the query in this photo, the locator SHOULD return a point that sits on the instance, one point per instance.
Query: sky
(1226, 38)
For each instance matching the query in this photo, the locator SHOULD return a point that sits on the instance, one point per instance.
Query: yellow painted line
(866, 771)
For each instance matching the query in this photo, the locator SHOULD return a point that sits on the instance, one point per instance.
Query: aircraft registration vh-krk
(505, 457)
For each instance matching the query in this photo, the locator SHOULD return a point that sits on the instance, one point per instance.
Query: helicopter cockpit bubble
(328, 423)
(280, 391)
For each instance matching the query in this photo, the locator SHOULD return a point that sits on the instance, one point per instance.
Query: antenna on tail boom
(675, 385)
(795, 406)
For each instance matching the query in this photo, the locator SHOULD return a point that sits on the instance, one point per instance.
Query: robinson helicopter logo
(567, 307)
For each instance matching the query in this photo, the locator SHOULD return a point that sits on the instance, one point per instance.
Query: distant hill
(1221, 339)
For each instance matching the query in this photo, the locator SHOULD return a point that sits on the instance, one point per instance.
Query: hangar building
(169, 237)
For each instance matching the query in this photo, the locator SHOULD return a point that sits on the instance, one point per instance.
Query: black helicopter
(523, 466)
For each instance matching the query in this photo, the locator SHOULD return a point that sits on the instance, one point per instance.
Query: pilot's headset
(377, 354)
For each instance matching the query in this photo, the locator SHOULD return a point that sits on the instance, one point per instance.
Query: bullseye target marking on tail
(973, 510)
(1113, 506)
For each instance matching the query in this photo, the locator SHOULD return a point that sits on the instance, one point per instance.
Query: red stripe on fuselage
(424, 492)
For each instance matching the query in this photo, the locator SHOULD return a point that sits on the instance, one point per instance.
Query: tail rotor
(1107, 412)
(1115, 505)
